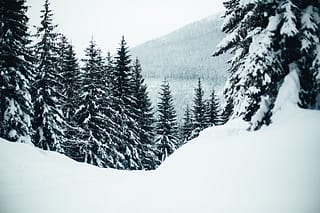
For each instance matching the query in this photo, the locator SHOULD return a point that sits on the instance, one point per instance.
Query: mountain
(182, 57)
(185, 53)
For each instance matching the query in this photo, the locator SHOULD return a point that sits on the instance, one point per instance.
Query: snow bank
(226, 169)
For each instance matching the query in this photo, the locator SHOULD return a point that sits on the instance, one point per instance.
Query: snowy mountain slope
(185, 53)
(226, 169)
(183, 56)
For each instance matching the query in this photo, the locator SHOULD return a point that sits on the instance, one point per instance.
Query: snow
(289, 91)
(226, 169)
(12, 133)
(243, 3)
(273, 22)
(289, 26)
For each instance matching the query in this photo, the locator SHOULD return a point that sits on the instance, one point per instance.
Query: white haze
(107, 21)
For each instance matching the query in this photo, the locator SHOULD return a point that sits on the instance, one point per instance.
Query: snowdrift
(226, 169)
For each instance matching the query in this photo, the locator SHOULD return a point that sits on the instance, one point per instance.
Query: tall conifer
(48, 122)
(15, 72)
(166, 127)
(124, 103)
(144, 118)
(199, 109)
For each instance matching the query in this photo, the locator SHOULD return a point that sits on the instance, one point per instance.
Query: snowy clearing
(226, 169)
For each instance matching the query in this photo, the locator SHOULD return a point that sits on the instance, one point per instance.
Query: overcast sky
(108, 20)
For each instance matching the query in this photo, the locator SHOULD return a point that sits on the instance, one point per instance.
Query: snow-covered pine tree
(109, 67)
(97, 132)
(166, 126)
(71, 90)
(266, 38)
(198, 110)
(212, 114)
(124, 102)
(70, 76)
(144, 118)
(15, 72)
(226, 113)
(309, 63)
(48, 122)
(187, 126)
(61, 46)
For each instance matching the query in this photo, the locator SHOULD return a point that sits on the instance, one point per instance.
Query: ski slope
(225, 170)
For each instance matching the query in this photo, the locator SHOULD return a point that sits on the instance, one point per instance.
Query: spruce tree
(199, 109)
(166, 127)
(226, 113)
(70, 78)
(109, 67)
(15, 72)
(144, 118)
(124, 103)
(212, 115)
(187, 126)
(268, 40)
(71, 90)
(93, 116)
(310, 48)
(48, 122)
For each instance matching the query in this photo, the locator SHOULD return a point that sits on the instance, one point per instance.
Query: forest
(97, 110)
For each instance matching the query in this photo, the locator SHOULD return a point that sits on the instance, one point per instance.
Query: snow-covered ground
(225, 170)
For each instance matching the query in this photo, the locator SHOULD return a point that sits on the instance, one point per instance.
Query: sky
(107, 20)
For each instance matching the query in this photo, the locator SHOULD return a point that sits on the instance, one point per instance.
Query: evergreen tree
(97, 131)
(268, 40)
(15, 72)
(187, 126)
(71, 90)
(144, 119)
(126, 114)
(212, 116)
(227, 113)
(70, 78)
(48, 122)
(109, 67)
(310, 48)
(199, 109)
(62, 45)
(166, 127)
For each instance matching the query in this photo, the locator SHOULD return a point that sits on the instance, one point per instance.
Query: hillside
(183, 56)
(185, 53)
(226, 169)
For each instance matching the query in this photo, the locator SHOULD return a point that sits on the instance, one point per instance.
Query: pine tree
(212, 115)
(124, 103)
(187, 126)
(226, 113)
(310, 48)
(199, 109)
(48, 122)
(110, 69)
(15, 72)
(70, 90)
(70, 78)
(144, 119)
(166, 127)
(266, 38)
(97, 133)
